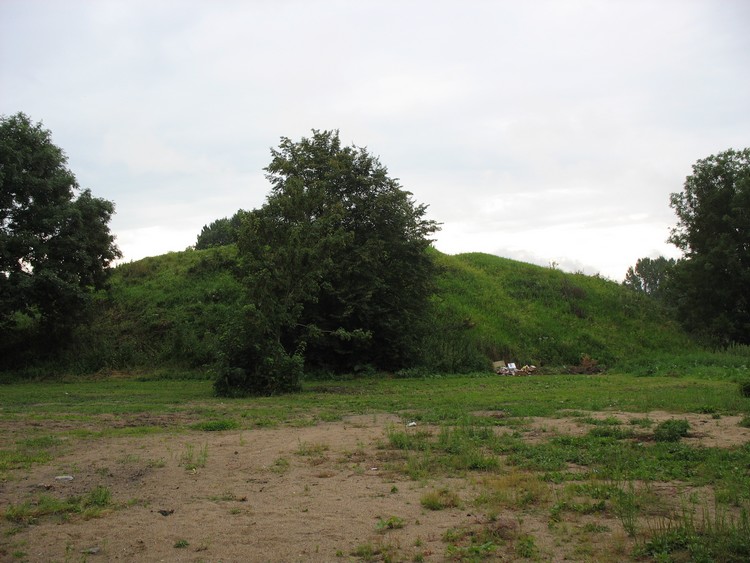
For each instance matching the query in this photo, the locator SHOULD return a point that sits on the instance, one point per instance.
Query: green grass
(89, 506)
(216, 425)
(427, 400)
(440, 499)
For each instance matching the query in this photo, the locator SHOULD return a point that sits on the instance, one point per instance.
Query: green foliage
(336, 269)
(717, 537)
(744, 388)
(649, 276)
(220, 232)
(256, 362)
(709, 287)
(671, 430)
(55, 245)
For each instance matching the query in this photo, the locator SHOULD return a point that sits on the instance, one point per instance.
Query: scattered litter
(412, 424)
(91, 551)
(64, 478)
(510, 369)
(373, 469)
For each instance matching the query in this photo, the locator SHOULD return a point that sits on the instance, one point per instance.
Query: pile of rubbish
(501, 368)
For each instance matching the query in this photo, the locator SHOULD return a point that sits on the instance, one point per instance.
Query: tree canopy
(336, 264)
(220, 232)
(713, 230)
(649, 276)
(55, 243)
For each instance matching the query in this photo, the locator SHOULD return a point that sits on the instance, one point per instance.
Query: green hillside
(533, 315)
(169, 312)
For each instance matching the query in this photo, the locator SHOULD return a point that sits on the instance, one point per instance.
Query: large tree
(55, 243)
(336, 263)
(712, 284)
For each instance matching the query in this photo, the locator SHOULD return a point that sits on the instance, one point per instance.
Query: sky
(550, 132)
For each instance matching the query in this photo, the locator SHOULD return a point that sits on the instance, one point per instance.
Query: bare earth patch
(330, 492)
(721, 432)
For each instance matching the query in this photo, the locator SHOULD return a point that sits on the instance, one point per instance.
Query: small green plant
(191, 461)
(312, 450)
(671, 430)
(181, 544)
(626, 508)
(281, 465)
(390, 523)
(366, 551)
(526, 546)
(440, 499)
(156, 463)
(745, 422)
(99, 497)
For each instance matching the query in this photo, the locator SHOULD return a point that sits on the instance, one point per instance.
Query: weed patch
(671, 430)
(440, 499)
(215, 425)
(90, 506)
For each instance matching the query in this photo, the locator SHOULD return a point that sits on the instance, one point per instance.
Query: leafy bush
(272, 372)
(671, 430)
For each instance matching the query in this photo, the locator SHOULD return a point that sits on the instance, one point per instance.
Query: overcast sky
(545, 131)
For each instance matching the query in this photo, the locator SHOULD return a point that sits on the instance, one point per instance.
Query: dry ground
(320, 493)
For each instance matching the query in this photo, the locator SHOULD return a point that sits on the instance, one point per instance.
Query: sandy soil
(318, 493)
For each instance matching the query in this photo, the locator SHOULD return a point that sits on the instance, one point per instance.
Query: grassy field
(634, 438)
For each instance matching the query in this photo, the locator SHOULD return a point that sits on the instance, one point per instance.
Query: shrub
(745, 388)
(671, 430)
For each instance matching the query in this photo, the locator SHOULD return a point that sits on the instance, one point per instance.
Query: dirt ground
(319, 493)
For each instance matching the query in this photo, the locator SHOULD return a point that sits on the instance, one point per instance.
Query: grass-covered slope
(170, 311)
(529, 314)
(167, 311)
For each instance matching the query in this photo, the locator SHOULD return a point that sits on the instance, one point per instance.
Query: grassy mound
(169, 313)
(524, 313)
